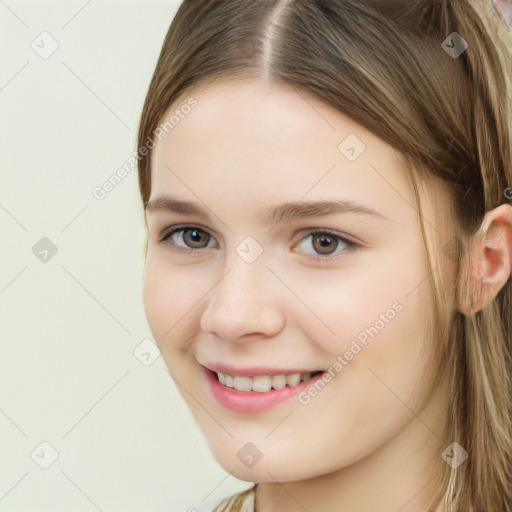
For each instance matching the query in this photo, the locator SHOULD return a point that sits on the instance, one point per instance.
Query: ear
(488, 262)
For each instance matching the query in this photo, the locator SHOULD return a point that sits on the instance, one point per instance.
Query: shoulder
(240, 502)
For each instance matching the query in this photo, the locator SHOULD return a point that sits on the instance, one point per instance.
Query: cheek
(385, 358)
(380, 313)
(171, 296)
(156, 294)
(369, 301)
(164, 299)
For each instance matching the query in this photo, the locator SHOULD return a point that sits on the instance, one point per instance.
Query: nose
(244, 303)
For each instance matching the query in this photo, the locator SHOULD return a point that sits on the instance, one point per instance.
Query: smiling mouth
(262, 383)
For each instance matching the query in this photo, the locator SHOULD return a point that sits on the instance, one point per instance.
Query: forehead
(248, 141)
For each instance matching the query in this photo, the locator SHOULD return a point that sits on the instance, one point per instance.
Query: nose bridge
(244, 277)
(243, 300)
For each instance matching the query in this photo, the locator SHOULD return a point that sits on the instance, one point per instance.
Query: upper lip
(253, 371)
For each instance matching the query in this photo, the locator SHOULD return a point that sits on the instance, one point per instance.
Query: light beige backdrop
(89, 417)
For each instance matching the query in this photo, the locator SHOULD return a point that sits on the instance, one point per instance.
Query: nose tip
(241, 305)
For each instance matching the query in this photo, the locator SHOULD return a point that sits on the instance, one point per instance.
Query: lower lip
(252, 402)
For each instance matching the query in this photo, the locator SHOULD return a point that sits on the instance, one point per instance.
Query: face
(230, 287)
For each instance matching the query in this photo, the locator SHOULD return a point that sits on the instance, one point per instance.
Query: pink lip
(252, 402)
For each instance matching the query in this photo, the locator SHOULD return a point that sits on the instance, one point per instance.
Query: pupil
(194, 234)
(325, 242)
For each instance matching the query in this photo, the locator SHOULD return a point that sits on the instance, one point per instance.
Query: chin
(267, 469)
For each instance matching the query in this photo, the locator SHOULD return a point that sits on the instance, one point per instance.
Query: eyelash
(167, 234)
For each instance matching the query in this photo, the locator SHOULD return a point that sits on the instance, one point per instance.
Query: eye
(187, 238)
(325, 243)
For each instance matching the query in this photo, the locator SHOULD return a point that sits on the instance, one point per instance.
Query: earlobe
(488, 263)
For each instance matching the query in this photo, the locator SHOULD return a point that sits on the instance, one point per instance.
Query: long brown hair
(395, 67)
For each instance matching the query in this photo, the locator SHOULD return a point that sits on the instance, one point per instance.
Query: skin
(371, 439)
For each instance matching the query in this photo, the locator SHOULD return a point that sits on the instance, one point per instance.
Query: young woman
(327, 191)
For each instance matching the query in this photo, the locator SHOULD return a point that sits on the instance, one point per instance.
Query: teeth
(243, 383)
(293, 379)
(278, 381)
(262, 383)
(229, 381)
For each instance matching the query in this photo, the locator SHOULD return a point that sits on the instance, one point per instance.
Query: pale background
(69, 377)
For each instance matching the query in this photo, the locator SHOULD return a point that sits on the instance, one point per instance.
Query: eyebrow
(280, 213)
